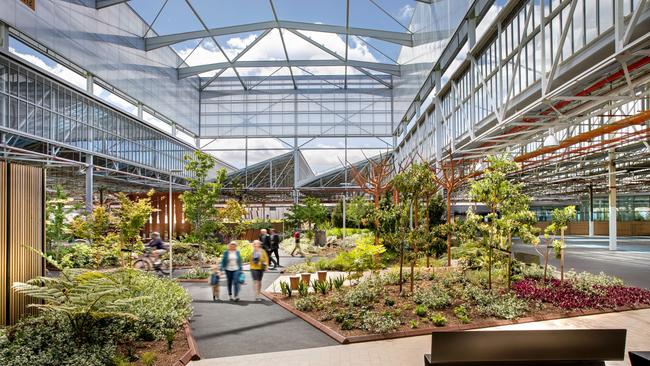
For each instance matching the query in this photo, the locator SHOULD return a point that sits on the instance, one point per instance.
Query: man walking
(275, 247)
(265, 238)
(296, 239)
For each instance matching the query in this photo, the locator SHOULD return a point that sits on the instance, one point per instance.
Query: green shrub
(148, 358)
(337, 282)
(195, 273)
(413, 324)
(433, 298)
(379, 323)
(591, 284)
(505, 306)
(438, 320)
(347, 324)
(421, 311)
(303, 289)
(245, 250)
(285, 288)
(462, 314)
(364, 293)
(309, 303)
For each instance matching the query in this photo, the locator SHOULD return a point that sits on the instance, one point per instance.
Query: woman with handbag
(232, 265)
(259, 263)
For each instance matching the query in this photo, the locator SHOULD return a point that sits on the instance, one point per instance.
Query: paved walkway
(226, 328)
(410, 351)
(631, 262)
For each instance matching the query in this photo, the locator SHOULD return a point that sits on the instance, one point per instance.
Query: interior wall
(22, 223)
(623, 228)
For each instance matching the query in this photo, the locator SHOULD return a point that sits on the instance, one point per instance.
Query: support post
(591, 210)
(90, 83)
(612, 200)
(170, 222)
(90, 167)
(4, 37)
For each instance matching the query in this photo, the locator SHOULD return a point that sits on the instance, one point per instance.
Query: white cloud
(57, 69)
(405, 12)
(270, 48)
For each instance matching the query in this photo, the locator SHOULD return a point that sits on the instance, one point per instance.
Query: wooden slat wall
(24, 187)
(3, 243)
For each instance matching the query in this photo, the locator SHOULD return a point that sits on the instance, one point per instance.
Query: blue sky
(177, 16)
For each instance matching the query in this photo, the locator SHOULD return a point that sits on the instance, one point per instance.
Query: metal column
(4, 37)
(90, 167)
(612, 200)
(591, 210)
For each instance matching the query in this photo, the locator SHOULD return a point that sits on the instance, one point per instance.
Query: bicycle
(145, 262)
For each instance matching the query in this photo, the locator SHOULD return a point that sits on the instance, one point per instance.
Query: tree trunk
(449, 228)
(401, 266)
(562, 255)
(546, 261)
(428, 265)
(412, 274)
(490, 266)
(509, 259)
(376, 197)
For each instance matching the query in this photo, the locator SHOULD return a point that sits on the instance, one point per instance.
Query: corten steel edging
(192, 353)
(342, 339)
(637, 119)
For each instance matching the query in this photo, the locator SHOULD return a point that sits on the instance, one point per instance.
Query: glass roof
(217, 39)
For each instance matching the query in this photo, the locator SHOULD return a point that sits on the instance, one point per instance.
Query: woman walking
(259, 263)
(231, 264)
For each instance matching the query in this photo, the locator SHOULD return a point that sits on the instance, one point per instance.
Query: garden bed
(376, 311)
(183, 350)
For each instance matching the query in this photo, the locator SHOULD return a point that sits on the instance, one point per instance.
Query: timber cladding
(22, 226)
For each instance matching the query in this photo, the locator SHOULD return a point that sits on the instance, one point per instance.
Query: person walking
(275, 247)
(296, 247)
(265, 238)
(214, 282)
(232, 265)
(259, 264)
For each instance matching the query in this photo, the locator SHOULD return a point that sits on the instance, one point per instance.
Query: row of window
(37, 106)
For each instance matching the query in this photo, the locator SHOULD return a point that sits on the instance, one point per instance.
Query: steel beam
(185, 72)
(400, 38)
(100, 4)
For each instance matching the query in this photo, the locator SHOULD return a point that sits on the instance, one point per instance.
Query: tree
(57, 209)
(310, 211)
(413, 184)
(374, 179)
(199, 203)
(450, 175)
(560, 218)
(131, 217)
(233, 217)
(499, 194)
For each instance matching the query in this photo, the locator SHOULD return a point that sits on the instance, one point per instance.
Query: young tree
(451, 174)
(310, 211)
(56, 211)
(233, 214)
(131, 217)
(560, 218)
(374, 179)
(499, 194)
(199, 203)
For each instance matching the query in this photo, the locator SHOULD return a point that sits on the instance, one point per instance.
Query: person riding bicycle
(157, 247)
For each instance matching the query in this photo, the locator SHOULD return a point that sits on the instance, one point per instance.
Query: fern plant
(84, 297)
(285, 288)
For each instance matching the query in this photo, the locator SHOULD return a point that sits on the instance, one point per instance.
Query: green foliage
(199, 203)
(148, 358)
(73, 256)
(310, 212)
(322, 287)
(590, 283)
(245, 250)
(338, 282)
(389, 302)
(309, 303)
(195, 273)
(338, 232)
(379, 323)
(285, 289)
(56, 211)
(358, 212)
(303, 289)
(413, 323)
(560, 218)
(233, 214)
(365, 293)
(433, 297)
(462, 314)
(438, 320)
(131, 218)
(421, 311)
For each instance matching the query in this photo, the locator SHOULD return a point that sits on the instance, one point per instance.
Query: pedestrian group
(262, 258)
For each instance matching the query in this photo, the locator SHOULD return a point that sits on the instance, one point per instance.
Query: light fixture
(551, 140)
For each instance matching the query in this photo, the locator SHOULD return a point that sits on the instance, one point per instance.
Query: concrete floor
(630, 262)
(226, 328)
(410, 351)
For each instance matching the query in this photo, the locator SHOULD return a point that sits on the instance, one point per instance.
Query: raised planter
(343, 339)
(305, 277)
(293, 280)
(322, 276)
(192, 353)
